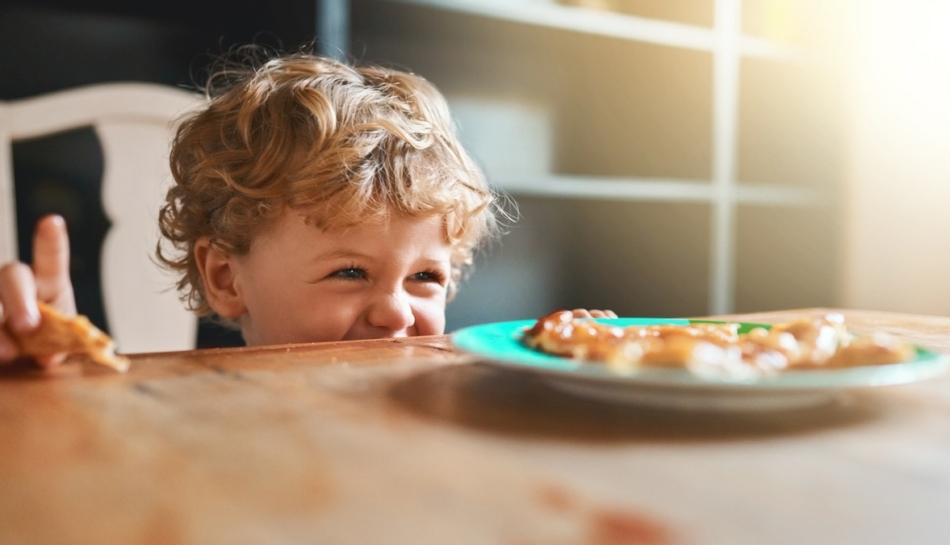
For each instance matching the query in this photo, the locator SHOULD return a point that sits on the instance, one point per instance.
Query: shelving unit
(602, 23)
(721, 190)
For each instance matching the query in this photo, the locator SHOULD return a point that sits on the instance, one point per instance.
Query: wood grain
(408, 441)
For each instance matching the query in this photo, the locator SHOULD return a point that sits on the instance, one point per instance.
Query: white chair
(135, 124)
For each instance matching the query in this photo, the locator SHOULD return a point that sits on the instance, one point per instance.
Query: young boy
(313, 201)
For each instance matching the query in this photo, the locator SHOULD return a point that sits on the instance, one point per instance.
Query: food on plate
(716, 349)
(58, 333)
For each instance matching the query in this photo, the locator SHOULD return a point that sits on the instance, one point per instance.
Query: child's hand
(47, 280)
(584, 313)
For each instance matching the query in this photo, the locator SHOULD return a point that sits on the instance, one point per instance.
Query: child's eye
(350, 273)
(428, 276)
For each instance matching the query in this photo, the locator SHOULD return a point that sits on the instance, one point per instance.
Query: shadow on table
(515, 403)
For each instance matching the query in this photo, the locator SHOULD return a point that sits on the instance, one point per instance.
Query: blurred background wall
(667, 157)
(897, 238)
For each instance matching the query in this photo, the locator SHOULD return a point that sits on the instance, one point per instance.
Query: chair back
(135, 123)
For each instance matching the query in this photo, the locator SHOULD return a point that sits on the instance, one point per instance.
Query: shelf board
(604, 23)
(653, 189)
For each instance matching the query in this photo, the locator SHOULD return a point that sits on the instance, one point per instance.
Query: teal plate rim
(499, 343)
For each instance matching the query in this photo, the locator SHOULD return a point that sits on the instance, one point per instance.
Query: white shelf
(603, 23)
(653, 189)
(721, 191)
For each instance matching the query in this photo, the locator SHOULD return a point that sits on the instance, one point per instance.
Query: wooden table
(410, 442)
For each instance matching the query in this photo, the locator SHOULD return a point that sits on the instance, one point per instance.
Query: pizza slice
(58, 333)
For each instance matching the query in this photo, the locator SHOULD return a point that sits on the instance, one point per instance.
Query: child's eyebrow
(340, 254)
(343, 252)
(433, 261)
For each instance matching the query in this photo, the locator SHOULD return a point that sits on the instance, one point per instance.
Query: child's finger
(584, 313)
(19, 314)
(51, 262)
(8, 348)
(581, 313)
(18, 298)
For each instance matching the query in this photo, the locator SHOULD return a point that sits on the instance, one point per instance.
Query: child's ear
(217, 275)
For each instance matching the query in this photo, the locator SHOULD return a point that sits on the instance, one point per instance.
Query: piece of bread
(58, 333)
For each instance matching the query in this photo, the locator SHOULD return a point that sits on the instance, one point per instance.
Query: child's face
(301, 284)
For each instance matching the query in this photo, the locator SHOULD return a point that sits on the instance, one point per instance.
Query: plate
(500, 345)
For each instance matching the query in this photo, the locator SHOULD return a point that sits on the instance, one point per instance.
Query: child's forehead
(343, 226)
(338, 221)
(291, 232)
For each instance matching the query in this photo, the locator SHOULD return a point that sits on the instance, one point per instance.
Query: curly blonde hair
(341, 144)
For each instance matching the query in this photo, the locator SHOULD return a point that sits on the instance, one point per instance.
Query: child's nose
(392, 311)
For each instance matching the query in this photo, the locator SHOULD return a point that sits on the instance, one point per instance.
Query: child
(313, 201)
